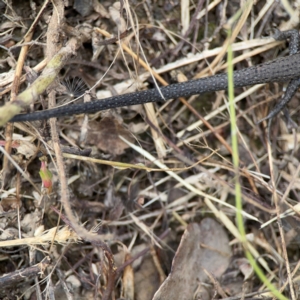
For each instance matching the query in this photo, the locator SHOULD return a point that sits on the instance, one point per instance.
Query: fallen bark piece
(203, 248)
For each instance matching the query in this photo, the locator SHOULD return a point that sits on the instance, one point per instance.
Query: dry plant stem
(37, 69)
(207, 124)
(36, 20)
(193, 22)
(140, 254)
(216, 284)
(55, 23)
(156, 136)
(40, 84)
(66, 288)
(149, 107)
(14, 278)
(111, 276)
(164, 83)
(64, 54)
(280, 227)
(65, 199)
(14, 91)
(228, 41)
(293, 275)
(16, 84)
(181, 155)
(38, 288)
(289, 188)
(158, 266)
(179, 45)
(53, 29)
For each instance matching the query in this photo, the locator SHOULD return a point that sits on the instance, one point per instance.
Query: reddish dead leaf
(105, 135)
(203, 246)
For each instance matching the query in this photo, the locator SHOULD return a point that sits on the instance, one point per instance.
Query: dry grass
(121, 188)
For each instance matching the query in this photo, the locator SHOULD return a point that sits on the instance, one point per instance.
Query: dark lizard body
(278, 70)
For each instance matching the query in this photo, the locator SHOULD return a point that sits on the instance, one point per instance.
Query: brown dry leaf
(146, 280)
(105, 135)
(9, 204)
(203, 246)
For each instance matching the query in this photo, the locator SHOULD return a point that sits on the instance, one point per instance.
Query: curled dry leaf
(203, 246)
